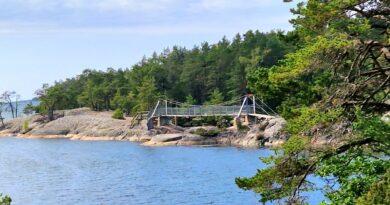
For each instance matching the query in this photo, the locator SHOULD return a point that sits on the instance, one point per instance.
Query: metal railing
(248, 106)
(202, 110)
(138, 118)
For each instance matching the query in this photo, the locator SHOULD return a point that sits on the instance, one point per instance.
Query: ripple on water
(76, 172)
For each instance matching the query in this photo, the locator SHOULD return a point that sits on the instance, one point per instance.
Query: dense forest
(329, 78)
(187, 75)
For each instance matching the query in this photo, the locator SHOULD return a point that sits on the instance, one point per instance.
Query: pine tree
(216, 97)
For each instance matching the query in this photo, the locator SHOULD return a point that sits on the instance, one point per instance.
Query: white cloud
(142, 30)
(157, 29)
(134, 5)
(214, 5)
(130, 5)
(139, 5)
(141, 16)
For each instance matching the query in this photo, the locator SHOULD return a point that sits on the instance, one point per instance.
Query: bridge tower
(246, 108)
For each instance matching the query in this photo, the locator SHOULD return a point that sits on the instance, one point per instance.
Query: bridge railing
(202, 110)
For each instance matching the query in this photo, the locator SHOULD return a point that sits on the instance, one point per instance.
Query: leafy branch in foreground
(333, 91)
(6, 200)
(355, 166)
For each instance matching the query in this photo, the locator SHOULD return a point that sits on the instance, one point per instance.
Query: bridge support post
(254, 105)
(175, 120)
(237, 123)
(246, 119)
(166, 107)
(159, 122)
(150, 124)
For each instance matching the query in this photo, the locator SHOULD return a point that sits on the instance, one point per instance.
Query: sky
(43, 41)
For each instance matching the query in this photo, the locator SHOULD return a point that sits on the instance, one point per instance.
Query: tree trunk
(50, 114)
(16, 108)
(2, 122)
(11, 106)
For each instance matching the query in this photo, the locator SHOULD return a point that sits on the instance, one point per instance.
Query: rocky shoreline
(84, 124)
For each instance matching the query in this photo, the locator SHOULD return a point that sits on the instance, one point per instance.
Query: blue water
(6, 114)
(82, 172)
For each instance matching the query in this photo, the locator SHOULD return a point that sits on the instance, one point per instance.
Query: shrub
(6, 200)
(25, 126)
(240, 127)
(206, 133)
(223, 122)
(29, 109)
(378, 193)
(202, 121)
(118, 114)
(197, 121)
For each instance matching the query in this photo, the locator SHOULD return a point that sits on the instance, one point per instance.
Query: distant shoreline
(21, 105)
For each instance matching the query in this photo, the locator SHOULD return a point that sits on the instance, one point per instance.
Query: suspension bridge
(247, 107)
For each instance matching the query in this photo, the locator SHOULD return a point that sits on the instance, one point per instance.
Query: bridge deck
(194, 111)
(247, 107)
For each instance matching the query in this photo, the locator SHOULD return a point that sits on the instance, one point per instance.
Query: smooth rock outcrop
(166, 137)
(84, 124)
(251, 139)
(164, 140)
(274, 127)
(207, 128)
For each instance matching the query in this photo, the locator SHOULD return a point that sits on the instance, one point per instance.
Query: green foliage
(271, 183)
(335, 60)
(206, 133)
(207, 73)
(215, 98)
(123, 102)
(305, 59)
(318, 88)
(373, 127)
(219, 121)
(240, 127)
(307, 117)
(355, 172)
(25, 126)
(118, 114)
(293, 81)
(6, 200)
(29, 109)
(223, 122)
(190, 100)
(201, 121)
(361, 168)
(378, 193)
(51, 98)
(197, 121)
(147, 95)
(369, 172)
(295, 144)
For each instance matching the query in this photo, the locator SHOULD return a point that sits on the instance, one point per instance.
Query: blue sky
(46, 40)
